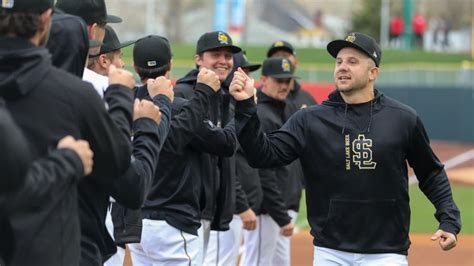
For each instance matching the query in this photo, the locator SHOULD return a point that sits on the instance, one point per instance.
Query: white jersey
(99, 82)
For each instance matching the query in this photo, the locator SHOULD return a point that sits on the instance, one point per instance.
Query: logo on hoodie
(361, 153)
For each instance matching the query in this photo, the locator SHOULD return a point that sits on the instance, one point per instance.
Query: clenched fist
(121, 76)
(242, 86)
(82, 149)
(146, 109)
(209, 78)
(160, 85)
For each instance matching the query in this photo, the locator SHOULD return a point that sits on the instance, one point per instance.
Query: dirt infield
(423, 251)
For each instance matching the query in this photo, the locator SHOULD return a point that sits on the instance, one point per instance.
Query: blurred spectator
(396, 30)
(419, 27)
(446, 28)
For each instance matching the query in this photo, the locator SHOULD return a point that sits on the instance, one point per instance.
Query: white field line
(453, 162)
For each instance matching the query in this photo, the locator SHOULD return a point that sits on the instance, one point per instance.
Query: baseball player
(214, 51)
(354, 149)
(224, 246)
(48, 104)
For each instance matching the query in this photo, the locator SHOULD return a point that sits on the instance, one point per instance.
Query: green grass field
(422, 211)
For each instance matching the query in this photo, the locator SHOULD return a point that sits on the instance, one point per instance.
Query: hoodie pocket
(365, 226)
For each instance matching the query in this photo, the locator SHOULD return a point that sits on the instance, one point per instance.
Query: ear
(373, 73)
(103, 61)
(197, 60)
(46, 15)
(92, 31)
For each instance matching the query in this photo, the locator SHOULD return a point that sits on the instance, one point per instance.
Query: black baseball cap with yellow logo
(280, 45)
(359, 41)
(26, 6)
(278, 67)
(213, 40)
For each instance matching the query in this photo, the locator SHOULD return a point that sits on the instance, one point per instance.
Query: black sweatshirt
(354, 160)
(175, 192)
(48, 104)
(218, 191)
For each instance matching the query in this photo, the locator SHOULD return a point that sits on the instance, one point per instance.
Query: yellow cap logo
(278, 44)
(223, 39)
(351, 37)
(285, 65)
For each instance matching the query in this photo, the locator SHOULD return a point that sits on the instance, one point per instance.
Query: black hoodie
(48, 104)
(218, 173)
(68, 42)
(354, 160)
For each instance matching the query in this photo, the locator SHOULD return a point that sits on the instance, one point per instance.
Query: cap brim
(113, 19)
(335, 46)
(122, 45)
(234, 49)
(251, 67)
(283, 76)
(272, 50)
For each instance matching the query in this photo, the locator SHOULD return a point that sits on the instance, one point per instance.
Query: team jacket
(175, 192)
(281, 185)
(48, 104)
(354, 160)
(218, 173)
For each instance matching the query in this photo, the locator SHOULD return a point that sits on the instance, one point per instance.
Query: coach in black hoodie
(353, 149)
(47, 104)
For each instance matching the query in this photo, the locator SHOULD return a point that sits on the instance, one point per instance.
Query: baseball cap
(278, 67)
(92, 11)
(152, 51)
(280, 45)
(359, 41)
(240, 60)
(111, 41)
(214, 40)
(26, 6)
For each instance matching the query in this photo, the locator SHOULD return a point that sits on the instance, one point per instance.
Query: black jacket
(68, 42)
(281, 185)
(14, 163)
(354, 159)
(218, 173)
(176, 189)
(249, 181)
(48, 104)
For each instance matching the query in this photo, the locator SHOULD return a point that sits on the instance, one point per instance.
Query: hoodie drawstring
(344, 121)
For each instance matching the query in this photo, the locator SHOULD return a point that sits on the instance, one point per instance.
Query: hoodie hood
(68, 43)
(335, 100)
(190, 78)
(22, 67)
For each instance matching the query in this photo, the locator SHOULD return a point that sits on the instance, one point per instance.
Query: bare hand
(160, 85)
(287, 230)
(146, 109)
(209, 78)
(249, 220)
(121, 76)
(447, 240)
(242, 86)
(82, 149)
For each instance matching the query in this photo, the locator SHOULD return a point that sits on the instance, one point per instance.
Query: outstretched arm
(263, 150)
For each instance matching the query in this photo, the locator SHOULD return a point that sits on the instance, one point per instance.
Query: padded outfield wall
(447, 112)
